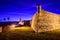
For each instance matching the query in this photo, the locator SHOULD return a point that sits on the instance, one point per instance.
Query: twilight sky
(25, 9)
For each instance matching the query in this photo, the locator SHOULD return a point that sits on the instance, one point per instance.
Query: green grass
(29, 34)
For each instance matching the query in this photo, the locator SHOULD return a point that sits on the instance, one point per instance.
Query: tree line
(6, 19)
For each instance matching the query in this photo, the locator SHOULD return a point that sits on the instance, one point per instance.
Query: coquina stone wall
(45, 21)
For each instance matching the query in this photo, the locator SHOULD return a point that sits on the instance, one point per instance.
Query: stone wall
(45, 21)
(1, 29)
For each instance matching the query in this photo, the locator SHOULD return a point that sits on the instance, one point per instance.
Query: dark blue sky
(25, 9)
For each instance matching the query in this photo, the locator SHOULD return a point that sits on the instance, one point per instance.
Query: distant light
(22, 29)
(12, 26)
(21, 22)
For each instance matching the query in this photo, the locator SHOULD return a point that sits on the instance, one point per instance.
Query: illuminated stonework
(45, 21)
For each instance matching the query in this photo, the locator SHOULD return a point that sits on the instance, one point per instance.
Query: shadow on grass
(29, 35)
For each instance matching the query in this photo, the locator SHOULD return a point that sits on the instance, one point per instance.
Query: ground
(27, 33)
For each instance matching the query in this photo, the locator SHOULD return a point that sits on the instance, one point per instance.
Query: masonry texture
(45, 21)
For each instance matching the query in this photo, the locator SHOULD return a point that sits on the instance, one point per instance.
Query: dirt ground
(26, 33)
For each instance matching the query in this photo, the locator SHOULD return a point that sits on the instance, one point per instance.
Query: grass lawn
(26, 33)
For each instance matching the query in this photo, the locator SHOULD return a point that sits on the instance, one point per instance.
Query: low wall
(0, 29)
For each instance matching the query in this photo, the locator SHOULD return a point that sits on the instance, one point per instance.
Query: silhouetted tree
(4, 19)
(3, 25)
(8, 18)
